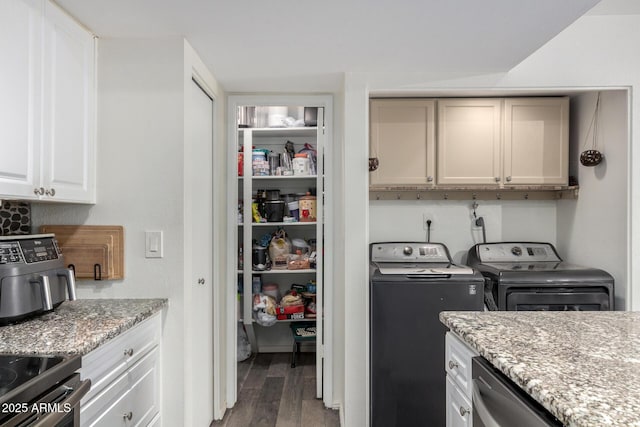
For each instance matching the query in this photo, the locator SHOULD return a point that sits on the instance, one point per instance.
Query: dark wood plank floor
(273, 394)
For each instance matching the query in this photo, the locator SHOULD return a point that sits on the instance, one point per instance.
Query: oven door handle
(53, 418)
(480, 408)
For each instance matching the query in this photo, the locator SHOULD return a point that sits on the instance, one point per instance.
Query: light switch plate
(153, 247)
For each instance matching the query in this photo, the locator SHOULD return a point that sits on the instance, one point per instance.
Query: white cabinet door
(469, 141)
(20, 49)
(402, 135)
(68, 157)
(536, 141)
(459, 411)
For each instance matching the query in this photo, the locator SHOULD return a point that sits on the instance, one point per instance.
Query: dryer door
(557, 299)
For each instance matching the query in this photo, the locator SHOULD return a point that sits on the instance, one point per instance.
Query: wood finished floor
(273, 394)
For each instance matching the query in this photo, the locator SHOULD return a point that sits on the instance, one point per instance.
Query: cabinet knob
(429, 179)
(452, 364)
(201, 281)
(508, 179)
(463, 411)
(51, 192)
(128, 352)
(497, 178)
(127, 416)
(38, 191)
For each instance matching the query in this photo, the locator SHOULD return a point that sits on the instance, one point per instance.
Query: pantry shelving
(245, 229)
(273, 140)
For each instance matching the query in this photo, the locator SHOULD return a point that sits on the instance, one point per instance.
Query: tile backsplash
(15, 218)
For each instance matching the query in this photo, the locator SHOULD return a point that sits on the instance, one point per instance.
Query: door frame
(326, 353)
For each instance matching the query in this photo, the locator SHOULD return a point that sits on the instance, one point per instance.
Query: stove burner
(7, 378)
(17, 370)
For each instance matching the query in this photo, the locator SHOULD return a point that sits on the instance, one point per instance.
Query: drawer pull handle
(128, 352)
(463, 411)
(129, 415)
(452, 364)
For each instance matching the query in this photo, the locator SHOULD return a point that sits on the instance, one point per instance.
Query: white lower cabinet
(459, 413)
(459, 381)
(125, 379)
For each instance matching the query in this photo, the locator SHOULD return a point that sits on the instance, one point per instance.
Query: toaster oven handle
(68, 274)
(45, 291)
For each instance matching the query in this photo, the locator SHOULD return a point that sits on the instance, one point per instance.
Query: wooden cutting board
(86, 246)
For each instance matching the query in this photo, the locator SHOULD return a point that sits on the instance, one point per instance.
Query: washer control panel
(517, 252)
(409, 251)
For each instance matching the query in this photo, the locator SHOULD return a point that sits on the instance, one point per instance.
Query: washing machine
(410, 284)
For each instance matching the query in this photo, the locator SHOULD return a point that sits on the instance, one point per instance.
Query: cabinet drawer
(459, 409)
(108, 362)
(458, 362)
(136, 393)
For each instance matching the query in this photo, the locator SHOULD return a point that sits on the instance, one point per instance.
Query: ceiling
(305, 45)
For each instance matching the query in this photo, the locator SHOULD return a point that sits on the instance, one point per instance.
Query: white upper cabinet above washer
(469, 141)
(48, 105)
(403, 139)
(503, 142)
(536, 141)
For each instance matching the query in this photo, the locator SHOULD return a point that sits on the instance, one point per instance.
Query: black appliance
(527, 276)
(497, 401)
(33, 277)
(40, 391)
(410, 284)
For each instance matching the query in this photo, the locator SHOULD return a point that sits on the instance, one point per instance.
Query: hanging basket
(590, 158)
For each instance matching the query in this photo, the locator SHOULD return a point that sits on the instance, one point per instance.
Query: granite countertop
(77, 327)
(584, 367)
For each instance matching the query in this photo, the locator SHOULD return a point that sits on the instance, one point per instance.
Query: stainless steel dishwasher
(498, 402)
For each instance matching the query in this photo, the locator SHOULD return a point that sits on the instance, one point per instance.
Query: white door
(469, 141)
(536, 141)
(68, 113)
(403, 138)
(199, 310)
(20, 49)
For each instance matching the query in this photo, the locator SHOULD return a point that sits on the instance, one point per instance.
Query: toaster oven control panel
(28, 251)
(10, 253)
(38, 250)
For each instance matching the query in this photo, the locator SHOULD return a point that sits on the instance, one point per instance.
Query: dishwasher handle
(479, 406)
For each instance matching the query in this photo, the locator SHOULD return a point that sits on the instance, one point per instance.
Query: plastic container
(301, 165)
(294, 210)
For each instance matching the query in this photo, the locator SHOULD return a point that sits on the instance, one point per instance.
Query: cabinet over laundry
(490, 142)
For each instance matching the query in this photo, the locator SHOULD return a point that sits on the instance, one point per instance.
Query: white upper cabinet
(504, 142)
(403, 139)
(20, 86)
(68, 150)
(48, 132)
(536, 141)
(469, 141)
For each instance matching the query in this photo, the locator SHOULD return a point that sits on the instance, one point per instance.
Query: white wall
(141, 89)
(596, 51)
(453, 222)
(592, 230)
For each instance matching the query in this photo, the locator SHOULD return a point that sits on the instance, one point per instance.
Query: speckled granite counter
(77, 327)
(584, 367)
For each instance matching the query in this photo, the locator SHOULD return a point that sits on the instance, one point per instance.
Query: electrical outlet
(426, 217)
